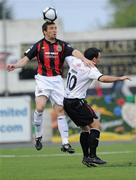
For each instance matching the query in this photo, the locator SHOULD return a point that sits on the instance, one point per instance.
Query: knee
(96, 124)
(85, 128)
(60, 111)
(40, 107)
(40, 103)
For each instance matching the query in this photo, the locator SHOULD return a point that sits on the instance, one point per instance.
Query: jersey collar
(51, 42)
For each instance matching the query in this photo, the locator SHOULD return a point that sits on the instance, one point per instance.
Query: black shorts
(79, 111)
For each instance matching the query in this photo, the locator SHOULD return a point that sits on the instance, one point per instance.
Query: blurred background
(106, 24)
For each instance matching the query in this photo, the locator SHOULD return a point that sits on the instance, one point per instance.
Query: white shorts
(51, 87)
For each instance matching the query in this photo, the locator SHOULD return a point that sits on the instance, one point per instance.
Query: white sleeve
(69, 60)
(94, 73)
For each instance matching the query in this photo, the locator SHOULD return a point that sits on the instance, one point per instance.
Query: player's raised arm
(109, 79)
(79, 55)
(21, 63)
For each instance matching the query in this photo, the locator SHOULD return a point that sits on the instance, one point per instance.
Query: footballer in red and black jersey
(50, 56)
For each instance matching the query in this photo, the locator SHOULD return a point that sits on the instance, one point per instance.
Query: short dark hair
(90, 53)
(46, 24)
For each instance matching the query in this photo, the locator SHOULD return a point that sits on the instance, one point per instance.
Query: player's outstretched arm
(21, 63)
(79, 55)
(110, 79)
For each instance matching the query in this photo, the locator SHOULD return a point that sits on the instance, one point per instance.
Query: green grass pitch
(21, 163)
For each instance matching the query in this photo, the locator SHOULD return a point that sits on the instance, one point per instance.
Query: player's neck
(50, 40)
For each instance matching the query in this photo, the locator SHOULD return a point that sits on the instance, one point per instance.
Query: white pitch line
(57, 155)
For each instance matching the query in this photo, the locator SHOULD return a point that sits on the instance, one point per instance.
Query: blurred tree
(8, 10)
(124, 13)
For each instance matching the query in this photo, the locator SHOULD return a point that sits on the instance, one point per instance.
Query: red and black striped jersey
(50, 56)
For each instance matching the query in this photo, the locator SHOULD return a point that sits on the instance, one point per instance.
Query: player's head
(93, 54)
(49, 30)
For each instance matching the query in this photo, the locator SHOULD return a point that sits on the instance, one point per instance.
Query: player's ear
(94, 59)
(44, 32)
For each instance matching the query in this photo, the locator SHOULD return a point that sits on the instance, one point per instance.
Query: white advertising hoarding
(15, 119)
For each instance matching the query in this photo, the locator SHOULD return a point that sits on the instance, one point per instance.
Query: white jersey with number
(79, 78)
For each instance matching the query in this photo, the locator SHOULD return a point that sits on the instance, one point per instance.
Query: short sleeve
(31, 52)
(94, 73)
(67, 49)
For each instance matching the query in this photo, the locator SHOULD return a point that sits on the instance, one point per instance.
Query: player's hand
(125, 78)
(11, 67)
(88, 62)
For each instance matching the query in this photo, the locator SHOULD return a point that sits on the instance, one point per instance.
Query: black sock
(84, 143)
(93, 141)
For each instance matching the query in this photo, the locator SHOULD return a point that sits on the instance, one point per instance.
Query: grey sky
(77, 15)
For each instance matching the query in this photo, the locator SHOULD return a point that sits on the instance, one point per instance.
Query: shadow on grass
(116, 165)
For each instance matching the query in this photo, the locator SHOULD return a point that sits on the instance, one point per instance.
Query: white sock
(38, 119)
(63, 128)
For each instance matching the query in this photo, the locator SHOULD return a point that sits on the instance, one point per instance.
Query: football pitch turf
(25, 163)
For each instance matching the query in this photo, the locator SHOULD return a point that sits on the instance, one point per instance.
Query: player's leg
(56, 97)
(38, 120)
(94, 137)
(63, 129)
(41, 94)
(84, 136)
(94, 141)
(77, 112)
(92, 120)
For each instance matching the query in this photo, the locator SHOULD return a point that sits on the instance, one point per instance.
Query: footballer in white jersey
(79, 79)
